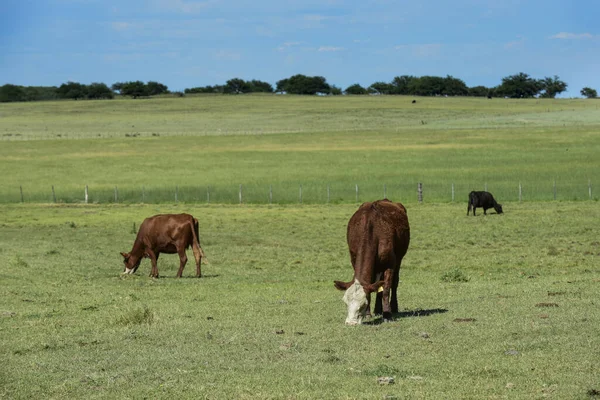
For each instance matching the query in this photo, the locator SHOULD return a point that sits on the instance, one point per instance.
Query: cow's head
(131, 265)
(356, 298)
(498, 208)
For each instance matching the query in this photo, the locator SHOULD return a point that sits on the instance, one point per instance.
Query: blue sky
(187, 43)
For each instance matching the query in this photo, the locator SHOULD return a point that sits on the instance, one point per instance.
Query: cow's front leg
(154, 260)
(182, 261)
(368, 312)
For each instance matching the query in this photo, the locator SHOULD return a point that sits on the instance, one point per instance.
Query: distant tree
(552, 86)
(9, 93)
(454, 86)
(236, 86)
(302, 84)
(156, 88)
(260, 86)
(479, 91)
(355, 89)
(519, 86)
(335, 91)
(72, 90)
(35, 93)
(117, 86)
(380, 88)
(99, 91)
(205, 89)
(402, 84)
(589, 92)
(134, 89)
(426, 86)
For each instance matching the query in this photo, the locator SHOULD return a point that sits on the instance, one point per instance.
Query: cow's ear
(374, 287)
(125, 255)
(339, 285)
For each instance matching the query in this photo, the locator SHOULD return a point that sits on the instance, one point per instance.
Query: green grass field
(495, 307)
(491, 307)
(277, 143)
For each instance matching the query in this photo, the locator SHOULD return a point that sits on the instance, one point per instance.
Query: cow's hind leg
(198, 258)
(182, 261)
(387, 311)
(394, 299)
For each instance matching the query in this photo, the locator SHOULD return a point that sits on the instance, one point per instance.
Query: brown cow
(165, 233)
(378, 236)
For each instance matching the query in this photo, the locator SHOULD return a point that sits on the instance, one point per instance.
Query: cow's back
(383, 224)
(160, 231)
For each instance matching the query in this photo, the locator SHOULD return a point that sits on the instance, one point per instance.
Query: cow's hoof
(387, 317)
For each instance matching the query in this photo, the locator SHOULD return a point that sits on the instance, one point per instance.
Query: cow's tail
(196, 234)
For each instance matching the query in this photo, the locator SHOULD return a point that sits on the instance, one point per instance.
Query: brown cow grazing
(378, 236)
(165, 233)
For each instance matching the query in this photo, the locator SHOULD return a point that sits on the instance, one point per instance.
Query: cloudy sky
(188, 43)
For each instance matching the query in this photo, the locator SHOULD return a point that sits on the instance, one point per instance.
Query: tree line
(520, 85)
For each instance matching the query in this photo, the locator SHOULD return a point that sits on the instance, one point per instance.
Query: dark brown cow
(165, 233)
(378, 236)
(483, 200)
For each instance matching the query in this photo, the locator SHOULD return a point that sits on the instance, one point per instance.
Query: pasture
(502, 306)
(497, 306)
(216, 143)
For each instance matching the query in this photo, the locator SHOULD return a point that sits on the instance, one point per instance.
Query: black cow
(484, 200)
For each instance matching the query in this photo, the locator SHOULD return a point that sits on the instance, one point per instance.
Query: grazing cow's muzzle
(356, 300)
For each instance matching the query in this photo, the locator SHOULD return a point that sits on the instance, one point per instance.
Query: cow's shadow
(378, 319)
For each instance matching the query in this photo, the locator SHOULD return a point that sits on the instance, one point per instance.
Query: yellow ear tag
(380, 289)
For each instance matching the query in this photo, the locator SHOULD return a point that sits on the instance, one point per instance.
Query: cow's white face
(355, 298)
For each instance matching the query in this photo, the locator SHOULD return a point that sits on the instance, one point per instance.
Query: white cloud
(515, 43)
(121, 26)
(330, 48)
(568, 35)
(288, 45)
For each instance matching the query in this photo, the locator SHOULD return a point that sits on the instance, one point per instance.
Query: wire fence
(292, 193)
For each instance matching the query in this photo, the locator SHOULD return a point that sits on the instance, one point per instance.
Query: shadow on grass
(405, 314)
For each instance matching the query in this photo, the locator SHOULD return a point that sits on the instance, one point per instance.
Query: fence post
(240, 194)
(520, 192)
(453, 192)
(420, 192)
(328, 197)
(485, 187)
(86, 194)
(554, 189)
(208, 195)
(270, 194)
(21, 187)
(589, 189)
(356, 187)
(53, 194)
(176, 194)
(300, 194)
(143, 193)
(384, 191)
(116, 195)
